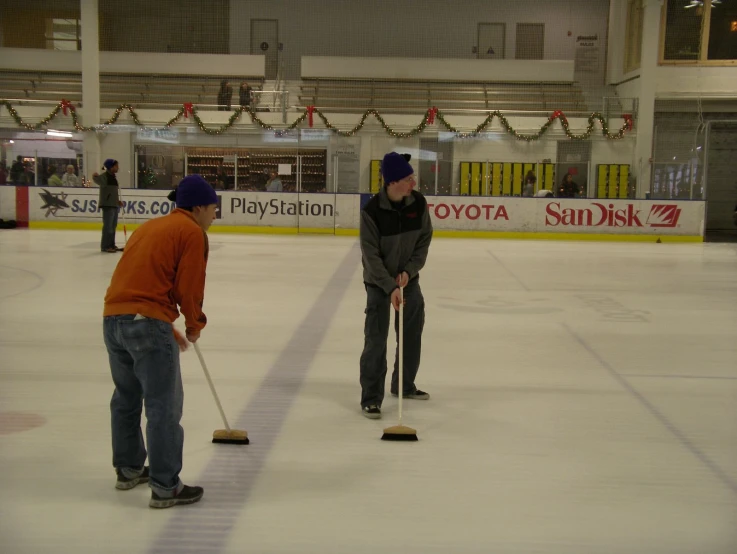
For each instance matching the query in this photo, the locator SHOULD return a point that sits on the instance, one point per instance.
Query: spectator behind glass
(245, 94)
(225, 96)
(530, 181)
(53, 180)
(69, 179)
(17, 171)
(274, 184)
(568, 189)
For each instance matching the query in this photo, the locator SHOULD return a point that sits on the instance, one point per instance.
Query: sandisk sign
(630, 217)
(599, 214)
(565, 215)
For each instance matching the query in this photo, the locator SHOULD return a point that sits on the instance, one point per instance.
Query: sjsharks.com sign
(71, 204)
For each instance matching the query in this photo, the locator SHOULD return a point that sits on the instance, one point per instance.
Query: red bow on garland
(431, 113)
(310, 111)
(66, 105)
(187, 109)
(628, 121)
(556, 114)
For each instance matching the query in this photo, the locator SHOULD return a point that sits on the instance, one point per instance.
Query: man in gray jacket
(395, 235)
(109, 202)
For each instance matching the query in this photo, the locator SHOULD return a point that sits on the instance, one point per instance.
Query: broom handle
(400, 386)
(212, 387)
(122, 213)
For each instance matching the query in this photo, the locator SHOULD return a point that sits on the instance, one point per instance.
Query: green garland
(427, 119)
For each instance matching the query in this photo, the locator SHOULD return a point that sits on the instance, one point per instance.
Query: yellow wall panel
(476, 179)
(496, 179)
(613, 180)
(601, 180)
(375, 176)
(507, 179)
(465, 177)
(624, 174)
(549, 181)
(517, 179)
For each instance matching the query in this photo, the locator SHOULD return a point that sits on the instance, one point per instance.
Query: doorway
(265, 41)
(721, 182)
(491, 41)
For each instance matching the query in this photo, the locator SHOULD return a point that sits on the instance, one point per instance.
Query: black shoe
(124, 484)
(416, 394)
(372, 412)
(119, 249)
(188, 495)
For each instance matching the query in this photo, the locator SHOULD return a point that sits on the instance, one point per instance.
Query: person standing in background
(225, 96)
(274, 183)
(530, 180)
(245, 95)
(54, 180)
(109, 202)
(69, 179)
(568, 189)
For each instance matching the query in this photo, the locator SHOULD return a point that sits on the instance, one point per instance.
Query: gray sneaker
(124, 483)
(188, 495)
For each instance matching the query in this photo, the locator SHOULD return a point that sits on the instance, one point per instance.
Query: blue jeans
(144, 362)
(109, 225)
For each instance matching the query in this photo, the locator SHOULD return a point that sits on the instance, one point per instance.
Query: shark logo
(53, 202)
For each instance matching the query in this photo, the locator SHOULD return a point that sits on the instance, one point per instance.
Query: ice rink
(583, 401)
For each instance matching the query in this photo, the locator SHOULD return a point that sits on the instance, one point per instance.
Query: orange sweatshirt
(163, 266)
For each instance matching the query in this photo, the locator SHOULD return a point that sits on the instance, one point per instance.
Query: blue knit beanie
(395, 167)
(193, 191)
(109, 163)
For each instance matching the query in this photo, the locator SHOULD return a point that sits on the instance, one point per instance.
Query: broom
(125, 230)
(227, 435)
(400, 432)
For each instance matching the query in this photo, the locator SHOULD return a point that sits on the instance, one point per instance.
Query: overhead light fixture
(700, 4)
(64, 134)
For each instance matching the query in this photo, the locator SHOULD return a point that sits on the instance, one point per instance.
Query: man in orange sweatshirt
(161, 272)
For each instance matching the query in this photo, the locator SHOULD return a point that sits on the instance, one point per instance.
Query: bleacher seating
(151, 91)
(356, 95)
(330, 95)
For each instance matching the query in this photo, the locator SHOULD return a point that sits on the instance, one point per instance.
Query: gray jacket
(274, 185)
(109, 196)
(392, 240)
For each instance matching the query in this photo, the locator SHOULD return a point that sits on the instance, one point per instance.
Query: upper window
(63, 34)
(700, 31)
(633, 35)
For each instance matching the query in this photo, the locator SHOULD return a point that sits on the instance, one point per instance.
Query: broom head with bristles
(399, 433)
(223, 436)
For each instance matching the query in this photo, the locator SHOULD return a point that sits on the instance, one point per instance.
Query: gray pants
(109, 224)
(376, 332)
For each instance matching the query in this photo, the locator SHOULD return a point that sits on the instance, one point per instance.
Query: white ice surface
(583, 402)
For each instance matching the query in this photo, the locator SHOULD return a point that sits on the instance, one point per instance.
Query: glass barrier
(322, 161)
(676, 181)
